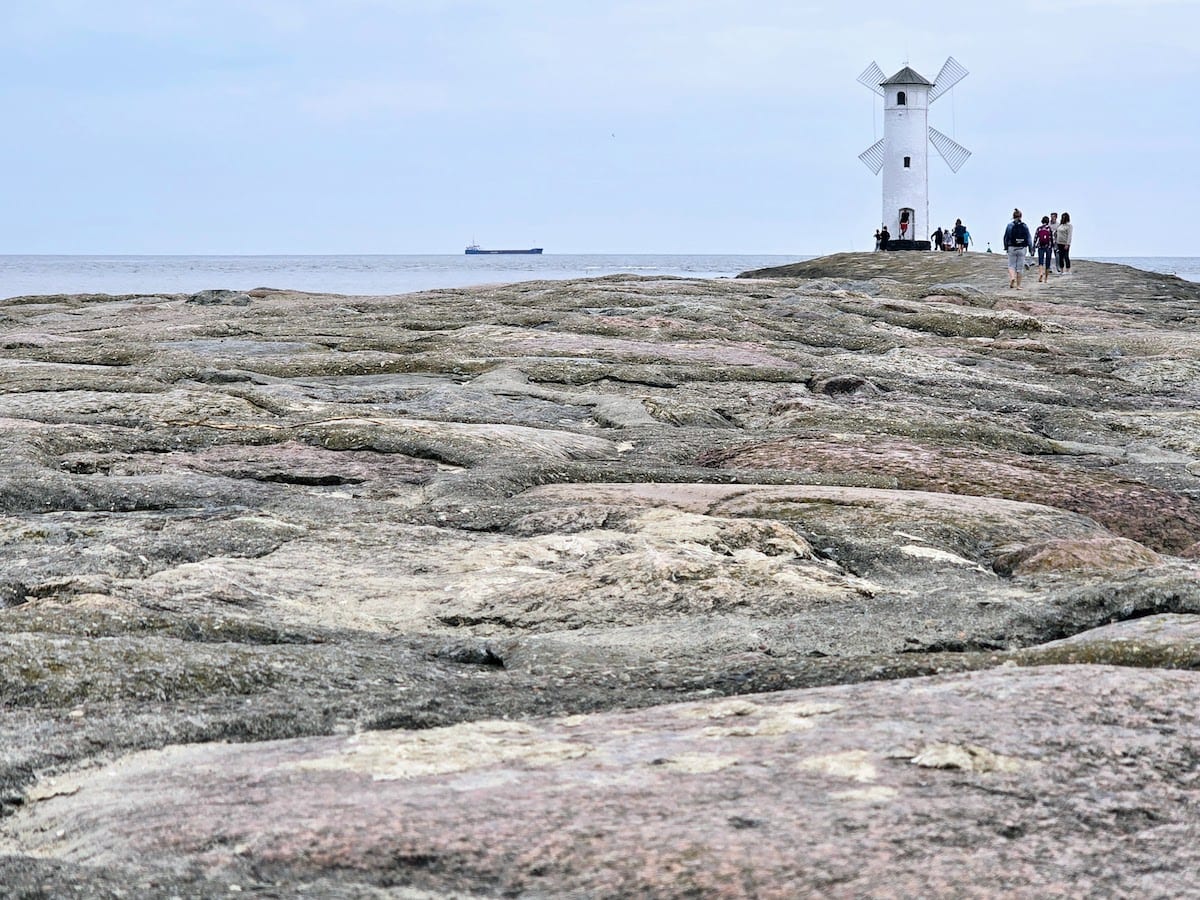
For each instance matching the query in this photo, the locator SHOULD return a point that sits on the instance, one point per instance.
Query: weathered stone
(295, 515)
(1063, 555)
(1061, 780)
(220, 298)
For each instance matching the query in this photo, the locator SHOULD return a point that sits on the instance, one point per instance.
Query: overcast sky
(685, 126)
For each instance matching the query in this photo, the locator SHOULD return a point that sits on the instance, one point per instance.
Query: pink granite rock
(278, 516)
(1058, 781)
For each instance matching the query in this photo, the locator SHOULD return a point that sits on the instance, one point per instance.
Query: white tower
(903, 152)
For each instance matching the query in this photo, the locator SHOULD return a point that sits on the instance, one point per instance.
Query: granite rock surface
(437, 594)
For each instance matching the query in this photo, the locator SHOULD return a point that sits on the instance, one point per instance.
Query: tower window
(907, 162)
(901, 100)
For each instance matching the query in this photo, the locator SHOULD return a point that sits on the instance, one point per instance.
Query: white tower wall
(906, 134)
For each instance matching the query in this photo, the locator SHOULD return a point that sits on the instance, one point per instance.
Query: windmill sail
(872, 157)
(952, 73)
(872, 77)
(953, 153)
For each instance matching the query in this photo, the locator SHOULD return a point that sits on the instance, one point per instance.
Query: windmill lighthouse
(903, 152)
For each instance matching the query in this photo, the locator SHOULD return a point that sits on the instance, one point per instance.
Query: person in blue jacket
(1016, 242)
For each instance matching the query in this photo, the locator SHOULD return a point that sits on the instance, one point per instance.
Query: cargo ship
(474, 249)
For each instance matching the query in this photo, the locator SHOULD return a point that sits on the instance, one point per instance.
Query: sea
(374, 275)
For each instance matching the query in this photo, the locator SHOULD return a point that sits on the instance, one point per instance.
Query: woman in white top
(1063, 238)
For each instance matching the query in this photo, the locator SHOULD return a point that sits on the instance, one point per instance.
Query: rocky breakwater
(861, 577)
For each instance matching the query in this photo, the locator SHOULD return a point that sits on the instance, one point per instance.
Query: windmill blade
(872, 77)
(872, 157)
(952, 73)
(953, 153)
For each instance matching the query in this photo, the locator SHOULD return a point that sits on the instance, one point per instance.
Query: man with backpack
(1017, 241)
(1043, 239)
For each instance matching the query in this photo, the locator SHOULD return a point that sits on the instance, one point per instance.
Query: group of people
(956, 238)
(1051, 240)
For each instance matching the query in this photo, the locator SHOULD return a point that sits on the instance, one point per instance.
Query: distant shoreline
(379, 274)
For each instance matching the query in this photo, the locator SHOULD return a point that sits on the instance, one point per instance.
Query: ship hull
(475, 251)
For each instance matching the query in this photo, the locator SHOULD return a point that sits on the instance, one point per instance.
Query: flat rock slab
(274, 515)
(1058, 781)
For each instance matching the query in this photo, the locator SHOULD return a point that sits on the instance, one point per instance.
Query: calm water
(25, 275)
(1184, 266)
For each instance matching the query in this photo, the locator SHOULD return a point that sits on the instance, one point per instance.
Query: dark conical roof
(907, 76)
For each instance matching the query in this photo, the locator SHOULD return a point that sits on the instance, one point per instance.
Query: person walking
(1063, 237)
(1054, 228)
(960, 236)
(1016, 244)
(884, 237)
(1043, 239)
(936, 237)
(876, 238)
(966, 240)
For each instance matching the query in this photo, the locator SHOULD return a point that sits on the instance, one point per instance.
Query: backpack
(1018, 234)
(1044, 236)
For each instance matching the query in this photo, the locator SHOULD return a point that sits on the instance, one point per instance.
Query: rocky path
(866, 574)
